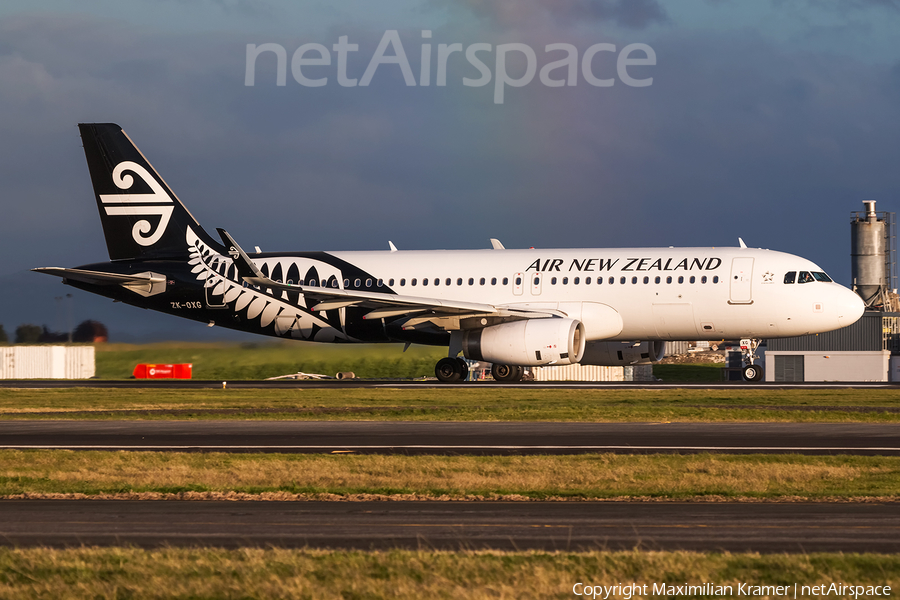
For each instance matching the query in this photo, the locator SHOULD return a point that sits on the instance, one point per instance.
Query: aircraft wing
(421, 310)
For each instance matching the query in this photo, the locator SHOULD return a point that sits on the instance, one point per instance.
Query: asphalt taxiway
(448, 438)
(566, 526)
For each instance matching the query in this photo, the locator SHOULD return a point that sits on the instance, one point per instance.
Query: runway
(453, 438)
(187, 384)
(794, 527)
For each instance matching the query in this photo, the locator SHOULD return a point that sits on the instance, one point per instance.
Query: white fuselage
(660, 293)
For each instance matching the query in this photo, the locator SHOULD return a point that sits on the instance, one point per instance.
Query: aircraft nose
(850, 307)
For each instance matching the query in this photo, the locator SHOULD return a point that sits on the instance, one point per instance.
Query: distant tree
(3, 336)
(52, 337)
(90, 332)
(28, 334)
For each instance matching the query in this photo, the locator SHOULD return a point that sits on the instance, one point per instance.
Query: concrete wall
(47, 362)
(836, 365)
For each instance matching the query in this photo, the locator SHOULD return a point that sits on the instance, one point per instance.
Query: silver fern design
(284, 311)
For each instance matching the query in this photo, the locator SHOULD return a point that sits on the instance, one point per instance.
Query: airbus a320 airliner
(512, 308)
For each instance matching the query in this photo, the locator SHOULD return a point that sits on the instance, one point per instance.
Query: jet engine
(530, 342)
(618, 354)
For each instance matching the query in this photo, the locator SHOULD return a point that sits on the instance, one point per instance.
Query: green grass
(593, 476)
(690, 373)
(249, 573)
(457, 404)
(271, 359)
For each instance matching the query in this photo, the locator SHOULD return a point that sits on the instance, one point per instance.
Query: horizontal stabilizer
(144, 284)
(101, 278)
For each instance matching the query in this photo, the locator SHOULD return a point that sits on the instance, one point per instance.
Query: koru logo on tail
(157, 203)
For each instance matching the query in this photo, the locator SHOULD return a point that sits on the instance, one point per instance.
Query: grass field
(271, 359)
(456, 404)
(599, 476)
(250, 573)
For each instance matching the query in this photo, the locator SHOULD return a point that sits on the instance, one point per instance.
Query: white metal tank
(867, 254)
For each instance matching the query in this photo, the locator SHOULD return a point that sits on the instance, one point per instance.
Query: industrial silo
(871, 260)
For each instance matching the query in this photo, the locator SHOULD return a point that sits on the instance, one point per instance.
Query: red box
(177, 371)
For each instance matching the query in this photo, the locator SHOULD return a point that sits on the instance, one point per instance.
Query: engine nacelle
(530, 342)
(618, 354)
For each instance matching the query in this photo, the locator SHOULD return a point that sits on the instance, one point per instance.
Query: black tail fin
(142, 218)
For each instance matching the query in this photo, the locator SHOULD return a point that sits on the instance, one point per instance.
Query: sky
(767, 120)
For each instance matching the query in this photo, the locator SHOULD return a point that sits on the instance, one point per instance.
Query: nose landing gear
(750, 371)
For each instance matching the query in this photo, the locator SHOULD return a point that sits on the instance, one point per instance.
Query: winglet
(741, 242)
(245, 266)
(496, 245)
(393, 247)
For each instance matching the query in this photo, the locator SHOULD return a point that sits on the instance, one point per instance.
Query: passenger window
(681, 279)
(622, 280)
(669, 279)
(380, 282)
(634, 280)
(414, 281)
(357, 283)
(577, 280)
(402, 282)
(334, 283)
(471, 281)
(565, 281)
(518, 281)
(424, 281)
(493, 281)
(505, 280)
(391, 282)
(481, 281)
(790, 276)
(459, 281)
(805, 277)
(312, 282)
(703, 279)
(346, 283)
(553, 281)
(612, 280)
(692, 279)
(657, 280)
(716, 279)
(368, 283)
(290, 282)
(587, 280)
(448, 281)
(646, 279)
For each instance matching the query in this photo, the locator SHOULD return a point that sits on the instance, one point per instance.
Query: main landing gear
(750, 371)
(507, 373)
(451, 369)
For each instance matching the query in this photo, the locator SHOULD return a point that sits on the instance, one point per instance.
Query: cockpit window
(790, 276)
(821, 276)
(805, 277)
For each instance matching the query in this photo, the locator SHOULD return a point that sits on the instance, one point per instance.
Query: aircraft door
(518, 284)
(741, 280)
(214, 300)
(536, 284)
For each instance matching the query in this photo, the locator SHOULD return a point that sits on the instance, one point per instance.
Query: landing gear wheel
(463, 368)
(448, 370)
(753, 373)
(507, 373)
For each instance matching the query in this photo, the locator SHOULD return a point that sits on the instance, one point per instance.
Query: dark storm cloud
(737, 136)
(634, 14)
